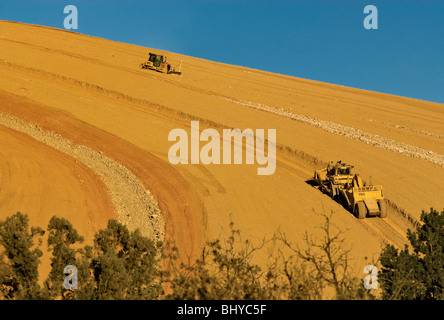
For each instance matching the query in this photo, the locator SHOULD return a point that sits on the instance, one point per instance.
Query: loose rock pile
(135, 206)
(352, 133)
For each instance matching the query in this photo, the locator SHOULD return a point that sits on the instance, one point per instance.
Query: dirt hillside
(91, 91)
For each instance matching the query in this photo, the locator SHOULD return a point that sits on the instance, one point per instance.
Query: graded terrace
(91, 92)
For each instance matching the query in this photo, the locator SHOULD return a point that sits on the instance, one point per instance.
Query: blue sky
(312, 39)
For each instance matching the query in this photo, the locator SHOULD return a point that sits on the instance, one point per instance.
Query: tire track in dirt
(299, 162)
(40, 181)
(179, 206)
(391, 229)
(349, 132)
(384, 227)
(410, 129)
(77, 56)
(352, 133)
(135, 206)
(45, 49)
(183, 119)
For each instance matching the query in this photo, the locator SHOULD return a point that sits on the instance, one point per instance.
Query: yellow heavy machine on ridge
(338, 181)
(159, 63)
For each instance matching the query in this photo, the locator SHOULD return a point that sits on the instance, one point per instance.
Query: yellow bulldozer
(159, 63)
(338, 181)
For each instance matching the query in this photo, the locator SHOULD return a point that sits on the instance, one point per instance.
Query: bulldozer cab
(339, 172)
(339, 169)
(155, 59)
(343, 171)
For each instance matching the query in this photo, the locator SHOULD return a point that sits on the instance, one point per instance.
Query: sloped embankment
(135, 206)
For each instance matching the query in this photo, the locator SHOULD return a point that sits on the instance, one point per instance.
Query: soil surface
(90, 112)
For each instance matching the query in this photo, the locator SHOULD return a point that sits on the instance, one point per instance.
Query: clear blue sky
(312, 39)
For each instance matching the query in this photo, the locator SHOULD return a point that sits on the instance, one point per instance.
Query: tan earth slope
(91, 91)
